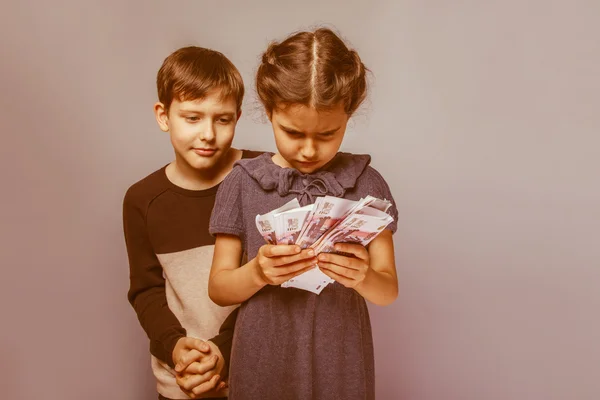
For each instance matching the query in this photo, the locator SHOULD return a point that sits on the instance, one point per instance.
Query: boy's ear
(239, 114)
(162, 117)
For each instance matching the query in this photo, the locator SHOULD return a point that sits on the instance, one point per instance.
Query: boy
(165, 221)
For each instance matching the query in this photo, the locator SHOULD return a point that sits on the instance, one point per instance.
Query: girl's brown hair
(315, 69)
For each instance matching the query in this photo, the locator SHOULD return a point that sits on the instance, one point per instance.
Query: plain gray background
(483, 117)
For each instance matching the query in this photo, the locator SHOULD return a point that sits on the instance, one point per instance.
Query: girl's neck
(282, 162)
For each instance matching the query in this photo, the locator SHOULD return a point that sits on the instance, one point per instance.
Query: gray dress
(290, 343)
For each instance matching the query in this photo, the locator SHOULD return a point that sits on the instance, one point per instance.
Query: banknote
(266, 222)
(320, 226)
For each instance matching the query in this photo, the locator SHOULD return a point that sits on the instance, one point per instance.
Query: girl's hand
(348, 271)
(279, 263)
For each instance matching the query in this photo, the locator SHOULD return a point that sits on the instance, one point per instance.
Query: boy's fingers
(196, 344)
(192, 382)
(187, 359)
(206, 386)
(202, 367)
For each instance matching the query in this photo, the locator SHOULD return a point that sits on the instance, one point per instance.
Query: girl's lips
(308, 163)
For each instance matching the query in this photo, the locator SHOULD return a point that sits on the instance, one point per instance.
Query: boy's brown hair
(190, 73)
(315, 69)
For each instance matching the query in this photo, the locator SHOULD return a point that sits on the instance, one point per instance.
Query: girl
(290, 343)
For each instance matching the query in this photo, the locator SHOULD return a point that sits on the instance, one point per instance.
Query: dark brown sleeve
(224, 339)
(147, 292)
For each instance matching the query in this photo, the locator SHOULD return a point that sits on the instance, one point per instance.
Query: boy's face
(201, 130)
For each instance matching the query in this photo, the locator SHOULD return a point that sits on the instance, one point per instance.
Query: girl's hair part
(315, 69)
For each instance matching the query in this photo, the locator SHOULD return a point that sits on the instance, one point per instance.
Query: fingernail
(322, 257)
(311, 252)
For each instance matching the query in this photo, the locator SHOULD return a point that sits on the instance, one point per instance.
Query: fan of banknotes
(320, 225)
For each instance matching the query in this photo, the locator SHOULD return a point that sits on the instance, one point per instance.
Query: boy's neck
(182, 175)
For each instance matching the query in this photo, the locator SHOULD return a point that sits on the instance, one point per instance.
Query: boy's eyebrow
(291, 130)
(227, 114)
(224, 113)
(185, 110)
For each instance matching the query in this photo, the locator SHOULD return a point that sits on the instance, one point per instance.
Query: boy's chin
(203, 163)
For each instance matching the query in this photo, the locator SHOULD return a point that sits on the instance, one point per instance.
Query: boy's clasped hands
(199, 368)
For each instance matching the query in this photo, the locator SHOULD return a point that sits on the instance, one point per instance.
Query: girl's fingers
(294, 267)
(289, 276)
(358, 250)
(341, 271)
(347, 262)
(271, 250)
(338, 278)
(285, 260)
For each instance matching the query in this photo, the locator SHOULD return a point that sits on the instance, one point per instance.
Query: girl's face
(307, 139)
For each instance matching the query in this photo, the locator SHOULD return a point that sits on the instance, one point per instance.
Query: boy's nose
(208, 132)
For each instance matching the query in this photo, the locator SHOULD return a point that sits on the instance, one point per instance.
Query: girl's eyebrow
(290, 130)
(285, 128)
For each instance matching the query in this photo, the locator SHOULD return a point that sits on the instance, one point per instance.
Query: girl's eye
(293, 134)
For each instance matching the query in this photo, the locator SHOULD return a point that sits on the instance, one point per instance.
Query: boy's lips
(205, 152)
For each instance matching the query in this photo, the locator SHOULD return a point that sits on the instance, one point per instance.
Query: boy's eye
(192, 119)
(225, 120)
(293, 133)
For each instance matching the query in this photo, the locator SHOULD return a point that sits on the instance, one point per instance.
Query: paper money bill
(328, 221)
(361, 227)
(288, 224)
(266, 222)
(327, 212)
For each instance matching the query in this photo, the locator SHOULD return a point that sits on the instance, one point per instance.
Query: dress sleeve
(380, 189)
(228, 215)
